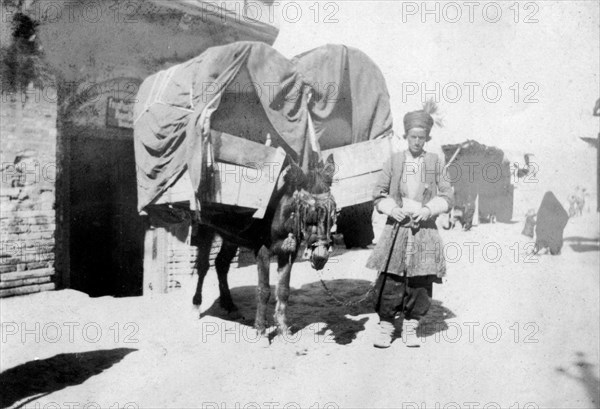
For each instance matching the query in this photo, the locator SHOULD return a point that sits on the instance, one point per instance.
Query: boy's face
(416, 138)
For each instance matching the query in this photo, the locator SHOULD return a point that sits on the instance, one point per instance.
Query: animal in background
(460, 214)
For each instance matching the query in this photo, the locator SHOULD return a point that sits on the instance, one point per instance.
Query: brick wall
(27, 192)
(181, 261)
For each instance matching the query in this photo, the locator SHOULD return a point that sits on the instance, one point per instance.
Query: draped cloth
(351, 102)
(246, 89)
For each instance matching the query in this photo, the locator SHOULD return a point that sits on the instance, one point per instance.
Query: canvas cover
(351, 101)
(484, 171)
(245, 89)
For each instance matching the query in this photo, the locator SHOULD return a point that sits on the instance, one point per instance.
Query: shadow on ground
(585, 374)
(435, 320)
(35, 379)
(583, 244)
(582, 239)
(310, 308)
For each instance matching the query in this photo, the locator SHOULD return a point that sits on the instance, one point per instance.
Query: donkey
(302, 210)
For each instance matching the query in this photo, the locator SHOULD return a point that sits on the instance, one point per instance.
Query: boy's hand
(398, 214)
(422, 215)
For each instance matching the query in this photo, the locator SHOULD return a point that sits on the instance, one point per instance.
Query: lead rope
(351, 303)
(301, 214)
(371, 288)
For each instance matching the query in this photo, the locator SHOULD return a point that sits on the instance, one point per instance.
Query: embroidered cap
(418, 119)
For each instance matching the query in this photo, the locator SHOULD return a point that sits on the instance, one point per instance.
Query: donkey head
(314, 207)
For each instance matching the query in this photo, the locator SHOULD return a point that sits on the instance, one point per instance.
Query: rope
(371, 287)
(351, 303)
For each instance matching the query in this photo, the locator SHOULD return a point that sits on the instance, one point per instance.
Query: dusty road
(506, 330)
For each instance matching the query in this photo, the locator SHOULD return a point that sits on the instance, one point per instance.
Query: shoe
(384, 337)
(410, 338)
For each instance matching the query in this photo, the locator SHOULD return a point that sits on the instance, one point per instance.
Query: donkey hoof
(285, 334)
(197, 300)
(288, 337)
(264, 342)
(263, 339)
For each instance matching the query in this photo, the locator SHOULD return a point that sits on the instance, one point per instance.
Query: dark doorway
(106, 231)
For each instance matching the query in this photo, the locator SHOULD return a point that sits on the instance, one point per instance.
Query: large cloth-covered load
(480, 172)
(351, 102)
(244, 89)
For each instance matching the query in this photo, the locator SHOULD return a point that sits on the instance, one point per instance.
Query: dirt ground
(506, 330)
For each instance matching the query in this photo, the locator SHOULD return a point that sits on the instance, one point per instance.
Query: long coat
(418, 250)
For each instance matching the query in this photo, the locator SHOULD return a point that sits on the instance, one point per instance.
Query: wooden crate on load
(245, 175)
(357, 168)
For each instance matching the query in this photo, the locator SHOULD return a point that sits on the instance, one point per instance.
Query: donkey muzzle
(318, 254)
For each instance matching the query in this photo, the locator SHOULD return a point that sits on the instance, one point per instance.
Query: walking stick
(408, 259)
(396, 228)
(405, 286)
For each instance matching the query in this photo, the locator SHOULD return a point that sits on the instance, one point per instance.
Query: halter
(310, 210)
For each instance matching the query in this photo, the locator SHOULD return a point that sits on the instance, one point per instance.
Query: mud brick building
(68, 195)
(27, 194)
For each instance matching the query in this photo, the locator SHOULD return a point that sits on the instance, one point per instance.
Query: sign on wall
(119, 113)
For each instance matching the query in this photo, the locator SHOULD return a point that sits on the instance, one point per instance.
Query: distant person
(577, 202)
(463, 215)
(412, 192)
(455, 216)
(551, 221)
(584, 201)
(468, 217)
(528, 229)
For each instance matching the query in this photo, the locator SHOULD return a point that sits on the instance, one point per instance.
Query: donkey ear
(295, 177)
(330, 160)
(329, 165)
(313, 159)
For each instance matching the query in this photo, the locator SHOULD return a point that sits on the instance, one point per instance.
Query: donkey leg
(263, 291)
(204, 239)
(284, 269)
(222, 264)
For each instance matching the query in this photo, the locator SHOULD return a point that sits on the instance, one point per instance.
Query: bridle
(312, 216)
(314, 211)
